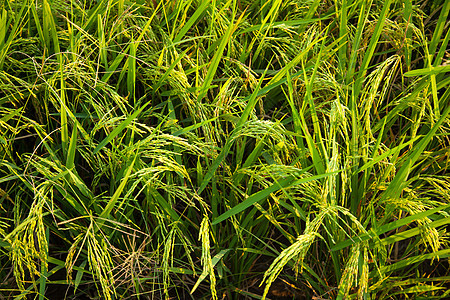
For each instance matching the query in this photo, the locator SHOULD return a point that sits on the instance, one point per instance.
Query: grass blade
(281, 184)
(119, 129)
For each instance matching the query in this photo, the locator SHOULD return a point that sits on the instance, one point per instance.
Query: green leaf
(106, 212)
(413, 260)
(193, 127)
(80, 272)
(378, 158)
(226, 148)
(428, 71)
(119, 129)
(216, 59)
(284, 183)
(198, 12)
(371, 47)
(11, 115)
(398, 183)
(413, 232)
(388, 227)
(214, 260)
(72, 149)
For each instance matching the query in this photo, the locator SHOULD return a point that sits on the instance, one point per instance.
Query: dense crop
(224, 149)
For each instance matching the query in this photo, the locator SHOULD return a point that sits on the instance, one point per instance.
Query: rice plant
(224, 149)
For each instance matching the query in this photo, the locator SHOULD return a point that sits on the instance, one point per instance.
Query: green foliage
(224, 149)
